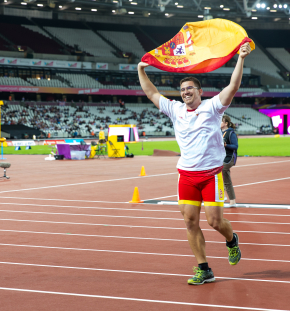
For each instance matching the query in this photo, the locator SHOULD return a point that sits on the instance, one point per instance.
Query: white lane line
(254, 183)
(130, 237)
(125, 226)
(237, 166)
(261, 182)
(139, 217)
(135, 272)
(132, 209)
(136, 299)
(135, 253)
(87, 183)
(62, 200)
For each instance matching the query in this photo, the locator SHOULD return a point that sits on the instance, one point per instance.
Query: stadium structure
(69, 68)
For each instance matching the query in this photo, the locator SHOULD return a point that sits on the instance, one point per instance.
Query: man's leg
(213, 195)
(203, 274)
(214, 216)
(195, 236)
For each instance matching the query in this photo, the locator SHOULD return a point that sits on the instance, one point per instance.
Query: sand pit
(165, 153)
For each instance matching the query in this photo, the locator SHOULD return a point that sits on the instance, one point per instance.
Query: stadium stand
(85, 81)
(47, 83)
(282, 55)
(125, 41)
(13, 81)
(85, 39)
(23, 36)
(249, 116)
(262, 63)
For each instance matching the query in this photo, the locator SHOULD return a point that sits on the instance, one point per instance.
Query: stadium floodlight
(285, 6)
(263, 5)
(221, 6)
(280, 6)
(275, 6)
(268, 8)
(176, 3)
(258, 5)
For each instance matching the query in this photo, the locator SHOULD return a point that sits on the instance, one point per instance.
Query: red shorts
(195, 187)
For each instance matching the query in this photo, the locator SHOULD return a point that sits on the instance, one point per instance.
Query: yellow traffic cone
(136, 196)
(143, 173)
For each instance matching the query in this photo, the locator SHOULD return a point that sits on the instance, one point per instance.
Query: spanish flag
(199, 47)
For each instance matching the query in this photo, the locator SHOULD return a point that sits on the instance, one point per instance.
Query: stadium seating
(125, 41)
(23, 36)
(47, 83)
(282, 55)
(85, 39)
(13, 81)
(259, 61)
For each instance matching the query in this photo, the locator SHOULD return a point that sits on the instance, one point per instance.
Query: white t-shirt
(198, 133)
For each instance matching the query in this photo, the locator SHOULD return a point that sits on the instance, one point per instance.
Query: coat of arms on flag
(199, 47)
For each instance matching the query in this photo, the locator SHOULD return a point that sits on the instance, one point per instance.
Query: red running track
(70, 241)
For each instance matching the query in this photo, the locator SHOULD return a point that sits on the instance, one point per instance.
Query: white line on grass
(125, 226)
(136, 272)
(139, 217)
(135, 253)
(136, 299)
(131, 237)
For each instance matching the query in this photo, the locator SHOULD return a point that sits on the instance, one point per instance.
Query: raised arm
(147, 86)
(227, 94)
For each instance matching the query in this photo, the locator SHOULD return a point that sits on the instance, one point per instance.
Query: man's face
(189, 92)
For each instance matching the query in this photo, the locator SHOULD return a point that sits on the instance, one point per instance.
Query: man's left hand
(245, 50)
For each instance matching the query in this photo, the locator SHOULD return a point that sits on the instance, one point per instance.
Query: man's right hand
(143, 65)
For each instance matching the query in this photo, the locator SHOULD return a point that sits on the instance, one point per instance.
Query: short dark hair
(194, 80)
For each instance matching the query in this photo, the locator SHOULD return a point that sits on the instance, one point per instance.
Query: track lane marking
(88, 182)
(131, 209)
(126, 226)
(130, 237)
(139, 217)
(135, 272)
(136, 299)
(128, 252)
(127, 178)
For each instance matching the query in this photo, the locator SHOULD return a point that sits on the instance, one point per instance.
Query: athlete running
(197, 130)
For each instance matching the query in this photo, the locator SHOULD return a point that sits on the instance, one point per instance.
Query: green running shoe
(235, 252)
(201, 277)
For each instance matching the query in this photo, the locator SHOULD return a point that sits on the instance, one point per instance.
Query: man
(197, 129)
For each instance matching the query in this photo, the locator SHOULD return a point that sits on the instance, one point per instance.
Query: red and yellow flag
(199, 47)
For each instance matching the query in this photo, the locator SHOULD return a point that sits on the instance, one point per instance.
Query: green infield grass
(268, 146)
